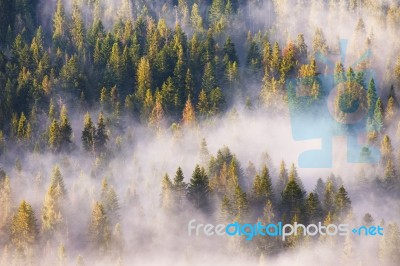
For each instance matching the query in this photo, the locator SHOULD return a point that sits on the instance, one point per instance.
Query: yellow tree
(188, 115)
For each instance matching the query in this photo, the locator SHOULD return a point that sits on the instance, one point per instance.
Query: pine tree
(230, 51)
(283, 178)
(209, 81)
(390, 111)
(313, 208)
(59, 26)
(390, 179)
(226, 211)
(179, 188)
(195, 19)
(389, 253)
(101, 136)
(202, 104)
(65, 128)
(378, 115)
(241, 205)
(342, 202)
(88, 133)
(386, 150)
(23, 128)
(156, 118)
(216, 10)
(54, 136)
(143, 78)
(51, 215)
(5, 201)
(77, 28)
(292, 198)
(329, 197)
(262, 188)
(198, 189)
(371, 98)
(99, 229)
(109, 200)
(166, 193)
(188, 115)
(24, 230)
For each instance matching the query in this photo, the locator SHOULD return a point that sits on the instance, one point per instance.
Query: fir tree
(99, 229)
(101, 136)
(24, 230)
(88, 133)
(198, 189)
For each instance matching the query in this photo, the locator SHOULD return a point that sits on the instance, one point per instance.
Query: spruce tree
(198, 189)
(24, 230)
(88, 133)
(101, 136)
(99, 229)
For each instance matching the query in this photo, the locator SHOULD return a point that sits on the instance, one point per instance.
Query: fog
(135, 171)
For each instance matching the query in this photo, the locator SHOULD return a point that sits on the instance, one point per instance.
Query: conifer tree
(188, 115)
(262, 188)
(198, 189)
(101, 136)
(54, 136)
(179, 188)
(371, 98)
(143, 78)
(203, 104)
(156, 118)
(59, 26)
(283, 178)
(77, 27)
(5, 201)
(389, 254)
(65, 128)
(99, 229)
(378, 115)
(109, 200)
(342, 202)
(313, 208)
(24, 230)
(88, 133)
(166, 193)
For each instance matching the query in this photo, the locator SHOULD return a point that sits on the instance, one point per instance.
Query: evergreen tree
(101, 136)
(179, 188)
(262, 188)
(371, 98)
(203, 104)
(283, 178)
(88, 133)
(99, 229)
(24, 230)
(5, 201)
(378, 115)
(292, 198)
(166, 193)
(389, 253)
(342, 202)
(230, 51)
(188, 115)
(143, 78)
(65, 128)
(198, 189)
(54, 136)
(59, 26)
(313, 208)
(109, 201)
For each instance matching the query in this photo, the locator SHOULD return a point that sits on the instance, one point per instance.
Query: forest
(122, 120)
